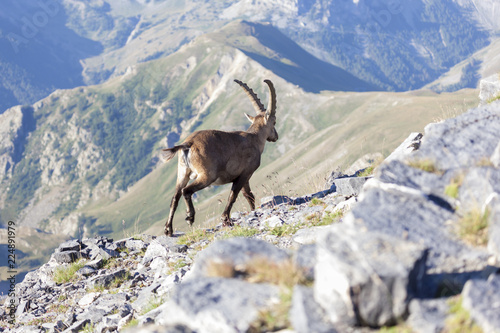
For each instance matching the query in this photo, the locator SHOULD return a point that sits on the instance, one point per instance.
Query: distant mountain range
(390, 45)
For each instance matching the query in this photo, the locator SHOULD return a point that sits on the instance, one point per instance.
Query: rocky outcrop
(422, 230)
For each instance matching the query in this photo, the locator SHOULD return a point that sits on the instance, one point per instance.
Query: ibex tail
(169, 153)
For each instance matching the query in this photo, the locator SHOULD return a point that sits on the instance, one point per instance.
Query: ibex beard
(214, 157)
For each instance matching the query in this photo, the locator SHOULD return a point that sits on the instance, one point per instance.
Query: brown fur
(217, 157)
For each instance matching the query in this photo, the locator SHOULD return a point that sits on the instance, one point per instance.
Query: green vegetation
(67, 273)
(316, 202)
(453, 188)
(424, 165)
(459, 320)
(275, 317)
(239, 231)
(402, 328)
(154, 302)
(493, 99)
(473, 227)
(88, 328)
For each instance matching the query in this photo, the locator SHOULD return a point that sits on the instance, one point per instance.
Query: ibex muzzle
(216, 157)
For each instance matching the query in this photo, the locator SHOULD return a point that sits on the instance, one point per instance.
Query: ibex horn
(271, 109)
(253, 97)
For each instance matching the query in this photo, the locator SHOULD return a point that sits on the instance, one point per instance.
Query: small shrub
(459, 320)
(68, 273)
(473, 227)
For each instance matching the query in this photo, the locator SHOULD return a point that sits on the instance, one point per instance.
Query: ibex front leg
(247, 193)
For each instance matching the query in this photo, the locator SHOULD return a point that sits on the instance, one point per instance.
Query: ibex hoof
(226, 222)
(190, 220)
(168, 232)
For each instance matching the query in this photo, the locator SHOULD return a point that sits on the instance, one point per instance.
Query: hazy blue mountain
(391, 44)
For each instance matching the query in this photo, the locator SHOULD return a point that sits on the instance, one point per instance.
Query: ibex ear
(249, 117)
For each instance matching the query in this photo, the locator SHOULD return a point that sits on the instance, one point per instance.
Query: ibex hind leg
(182, 180)
(198, 184)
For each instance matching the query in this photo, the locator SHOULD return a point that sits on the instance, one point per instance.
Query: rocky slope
(416, 245)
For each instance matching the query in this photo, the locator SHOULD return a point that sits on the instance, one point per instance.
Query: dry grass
(424, 165)
(275, 317)
(260, 270)
(473, 227)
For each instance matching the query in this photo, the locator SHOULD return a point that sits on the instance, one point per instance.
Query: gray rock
(350, 186)
(374, 274)
(275, 201)
(306, 315)
(494, 227)
(96, 252)
(58, 326)
(405, 149)
(495, 157)
(428, 316)
(410, 214)
(217, 305)
(489, 88)
(305, 259)
(158, 248)
(77, 326)
(71, 245)
(399, 173)
(308, 235)
(273, 221)
(106, 279)
(462, 141)
(236, 253)
(66, 257)
(96, 263)
(86, 271)
(478, 186)
(482, 299)
(135, 245)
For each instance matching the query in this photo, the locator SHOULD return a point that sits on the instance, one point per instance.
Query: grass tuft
(459, 320)
(275, 317)
(424, 165)
(473, 227)
(68, 273)
(453, 188)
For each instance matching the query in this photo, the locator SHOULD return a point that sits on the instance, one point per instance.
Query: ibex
(217, 157)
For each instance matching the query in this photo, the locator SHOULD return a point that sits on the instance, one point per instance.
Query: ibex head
(265, 120)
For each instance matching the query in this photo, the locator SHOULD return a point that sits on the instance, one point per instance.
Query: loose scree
(217, 157)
